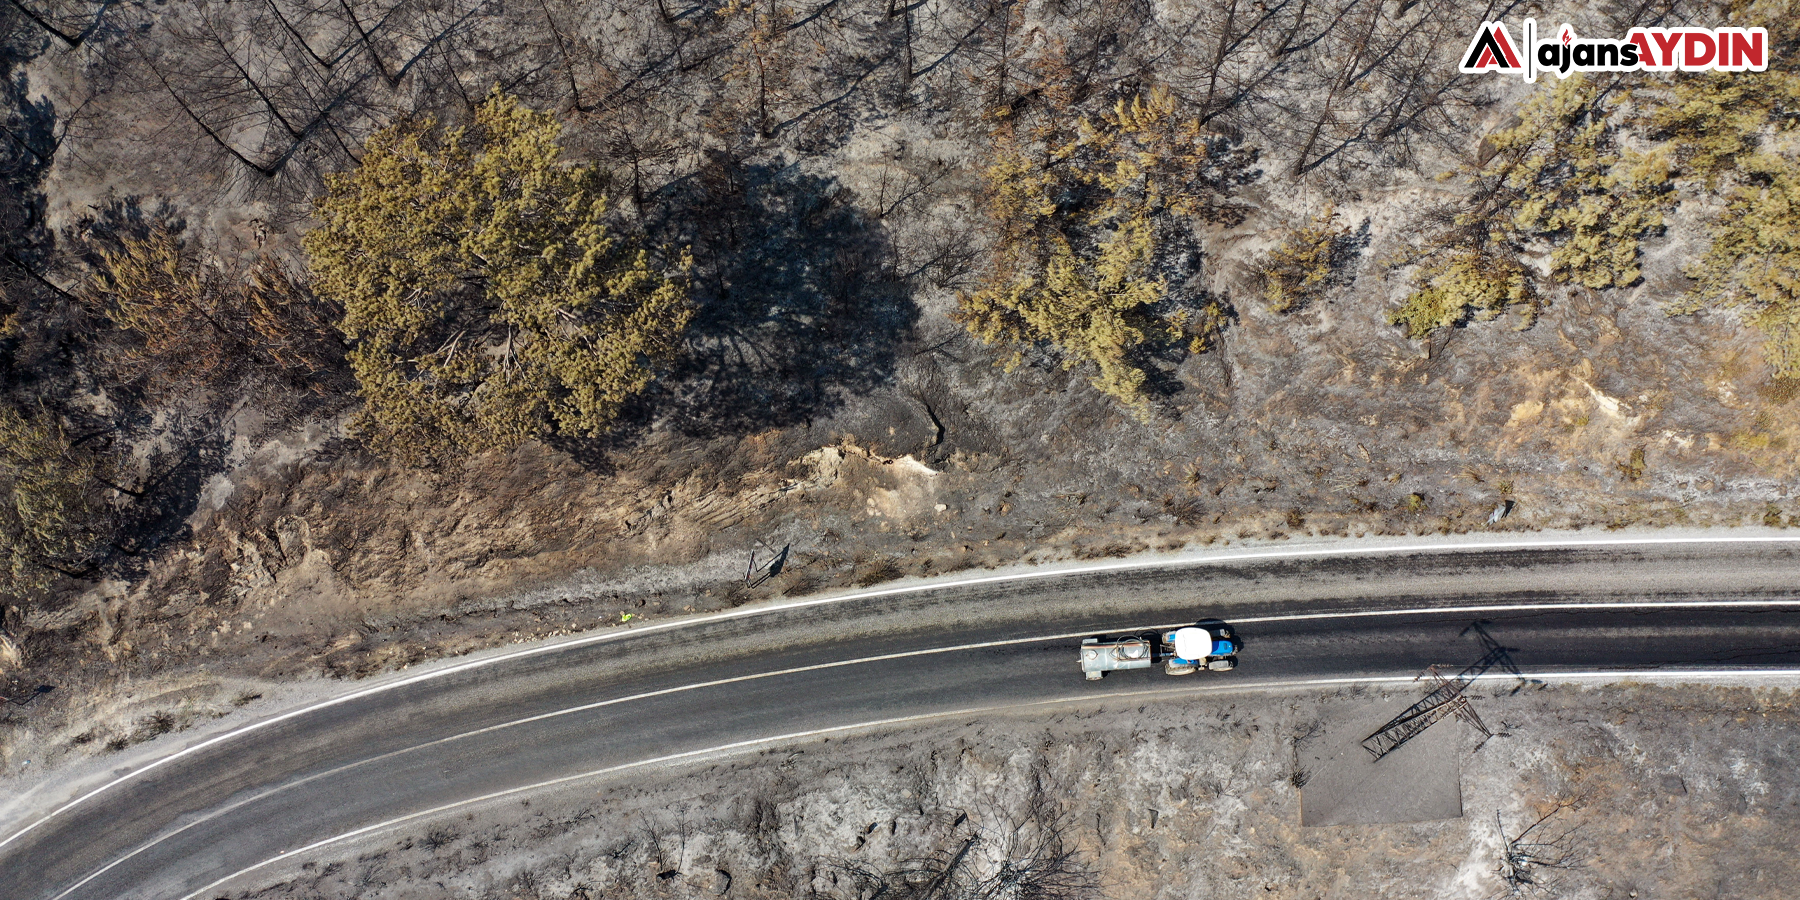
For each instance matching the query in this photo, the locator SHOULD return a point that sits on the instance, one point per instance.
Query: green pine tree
(486, 297)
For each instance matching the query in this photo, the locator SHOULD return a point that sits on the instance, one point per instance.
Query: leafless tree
(1384, 85)
(71, 22)
(1027, 855)
(1531, 861)
(285, 90)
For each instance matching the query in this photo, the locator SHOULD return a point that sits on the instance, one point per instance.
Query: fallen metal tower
(1445, 699)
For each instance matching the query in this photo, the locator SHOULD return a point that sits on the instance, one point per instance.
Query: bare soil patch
(1343, 784)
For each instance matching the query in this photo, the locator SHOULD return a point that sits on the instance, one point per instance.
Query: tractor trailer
(1180, 652)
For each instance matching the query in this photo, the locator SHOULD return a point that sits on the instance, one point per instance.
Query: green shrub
(1079, 214)
(1092, 307)
(1568, 182)
(1557, 180)
(1300, 267)
(1736, 132)
(1461, 284)
(1753, 263)
(1713, 121)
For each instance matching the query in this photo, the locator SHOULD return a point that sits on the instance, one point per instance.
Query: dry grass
(10, 656)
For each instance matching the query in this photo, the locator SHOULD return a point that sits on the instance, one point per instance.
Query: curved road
(228, 810)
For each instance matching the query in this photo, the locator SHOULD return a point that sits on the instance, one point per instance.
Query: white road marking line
(903, 655)
(1523, 607)
(536, 718)
(1630, 675)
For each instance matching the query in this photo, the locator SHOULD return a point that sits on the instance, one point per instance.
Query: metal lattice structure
(1445, 699)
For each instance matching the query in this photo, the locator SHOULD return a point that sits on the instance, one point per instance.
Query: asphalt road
(253, 802)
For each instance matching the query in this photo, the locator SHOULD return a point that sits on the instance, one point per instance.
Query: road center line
(1524, 607)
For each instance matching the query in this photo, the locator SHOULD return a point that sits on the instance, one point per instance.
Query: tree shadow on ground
(170, 490)
(27, 293)
(1205, 313)
(798, 302)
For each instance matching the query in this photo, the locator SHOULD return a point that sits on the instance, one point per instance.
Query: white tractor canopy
(1193, 643)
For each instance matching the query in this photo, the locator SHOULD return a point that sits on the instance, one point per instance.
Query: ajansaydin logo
(1643, 50)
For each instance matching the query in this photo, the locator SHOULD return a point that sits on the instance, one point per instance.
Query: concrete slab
(1419, 782)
